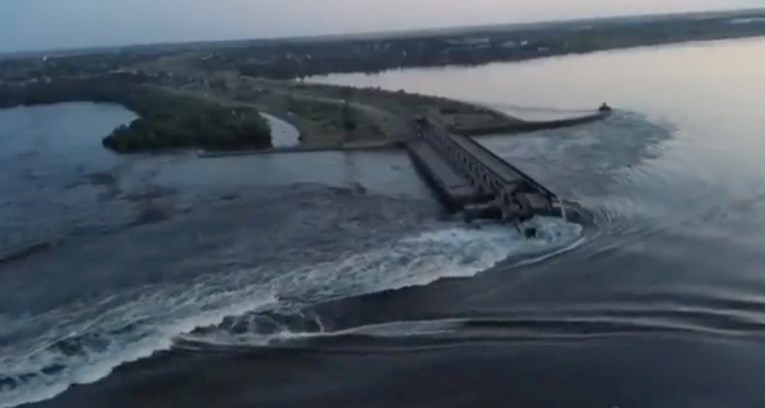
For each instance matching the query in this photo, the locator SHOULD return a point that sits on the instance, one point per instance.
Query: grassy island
(166, 120)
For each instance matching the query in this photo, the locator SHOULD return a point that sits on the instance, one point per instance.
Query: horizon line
(425, 31)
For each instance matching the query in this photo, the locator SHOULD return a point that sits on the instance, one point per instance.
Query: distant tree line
(165, 120)
(296, 59)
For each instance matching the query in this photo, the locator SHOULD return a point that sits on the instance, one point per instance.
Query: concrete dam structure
(469, 178)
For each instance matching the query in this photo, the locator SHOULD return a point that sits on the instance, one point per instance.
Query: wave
(82, 352)
(415, 261)
(530, 325)
(234, 308)
(8, 255)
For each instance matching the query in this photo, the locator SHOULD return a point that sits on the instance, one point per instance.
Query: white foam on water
(454, 252)
(749, 20)
(403, 328)
(154, 319)
(388, 329)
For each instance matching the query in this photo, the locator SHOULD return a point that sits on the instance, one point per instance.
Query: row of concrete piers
(471, 179)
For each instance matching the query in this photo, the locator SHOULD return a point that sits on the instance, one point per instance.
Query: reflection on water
(46, 156)
(52, 164)
(382, 172)
(711, 92)
(66, 133)
(55, 177)
(707, 94)
(679, 202)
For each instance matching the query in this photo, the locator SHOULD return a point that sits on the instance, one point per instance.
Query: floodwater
(333, 279)
(107, 258)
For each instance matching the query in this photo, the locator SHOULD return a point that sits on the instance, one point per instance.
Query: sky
(34, 25)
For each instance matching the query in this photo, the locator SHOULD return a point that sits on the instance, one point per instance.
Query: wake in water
(414, 261)
(247, 306)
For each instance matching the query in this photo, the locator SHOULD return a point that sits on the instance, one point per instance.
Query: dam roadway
(469, 178)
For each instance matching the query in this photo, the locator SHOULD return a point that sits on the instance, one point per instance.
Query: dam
(471, 179)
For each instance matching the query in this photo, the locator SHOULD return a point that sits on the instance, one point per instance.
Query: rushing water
(107, 259)
(283, 278)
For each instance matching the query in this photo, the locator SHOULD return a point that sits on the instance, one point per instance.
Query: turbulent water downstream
(333, 279)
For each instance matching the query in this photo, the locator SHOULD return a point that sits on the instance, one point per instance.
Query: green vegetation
(295, 59)
(108, 88)
(166, 120)
(175, 121)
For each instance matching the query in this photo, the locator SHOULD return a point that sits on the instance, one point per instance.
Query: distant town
(304, 57)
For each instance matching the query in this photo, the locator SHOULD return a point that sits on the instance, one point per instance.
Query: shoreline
(660, 44)
(320, 112)
(383, 145)
(505, 124)
(426, 32)
(473, 46)
(525, 127)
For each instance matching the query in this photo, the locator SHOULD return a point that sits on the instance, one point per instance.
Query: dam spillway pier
(469, 178)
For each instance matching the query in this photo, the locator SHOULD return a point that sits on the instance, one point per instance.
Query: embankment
(530, 126)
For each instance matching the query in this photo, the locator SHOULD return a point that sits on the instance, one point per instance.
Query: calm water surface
(279, 277)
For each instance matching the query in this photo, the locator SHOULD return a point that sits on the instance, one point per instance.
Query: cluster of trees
(176, 122)
(296, 59)
(302, 60)
(60, 65)
(166, 120)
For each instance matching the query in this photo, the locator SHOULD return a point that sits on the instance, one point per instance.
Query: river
(333, 279)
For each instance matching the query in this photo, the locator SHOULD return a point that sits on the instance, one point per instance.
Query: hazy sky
(48, 24)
